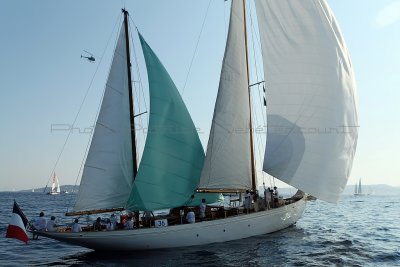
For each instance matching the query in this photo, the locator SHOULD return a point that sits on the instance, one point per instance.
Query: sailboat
(310, 86)
(358, 189)
(55, 186)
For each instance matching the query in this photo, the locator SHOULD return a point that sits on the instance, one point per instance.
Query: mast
(253, 171)
(131, 109)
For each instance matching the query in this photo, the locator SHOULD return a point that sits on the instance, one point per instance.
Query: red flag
(17, 227)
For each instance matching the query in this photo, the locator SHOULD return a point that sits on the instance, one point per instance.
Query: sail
(58, 190)
(108, 172)
(173, 156)
(55, 186)
(228, 164)
(311, 97)
(359, 187)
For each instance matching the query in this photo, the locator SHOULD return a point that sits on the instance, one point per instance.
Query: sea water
(358, 231)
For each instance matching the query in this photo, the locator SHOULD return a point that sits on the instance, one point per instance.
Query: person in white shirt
(109, 225)
(190, 217)
(202, 209)
(114, 221)
(41, 222)
(267, 196)
(51, 225)
(76, 227)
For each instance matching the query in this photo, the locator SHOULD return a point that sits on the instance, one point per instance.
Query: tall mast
(131, 110)
(253, 169)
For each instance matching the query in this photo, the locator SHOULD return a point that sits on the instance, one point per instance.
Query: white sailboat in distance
(358, 189)
(55, 186)
(309, 85)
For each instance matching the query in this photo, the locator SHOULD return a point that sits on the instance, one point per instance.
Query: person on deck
(255, 200)
(129, 223)
(271, 193)
(247, 201)
(202, 209)
(76, 227)
(97, 226)
(109, 225)
(147, 218)
(114, 221)
(267, 196)
(51, 225)
(190, 217)
(41, 222)
(276, 197)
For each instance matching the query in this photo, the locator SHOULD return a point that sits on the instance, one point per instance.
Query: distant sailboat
(55, 186)
(310, 86)
(358, 189)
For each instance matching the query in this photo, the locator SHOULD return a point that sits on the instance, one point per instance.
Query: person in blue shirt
(190, 217)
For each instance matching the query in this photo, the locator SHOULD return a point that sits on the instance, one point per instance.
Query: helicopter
(89, 56)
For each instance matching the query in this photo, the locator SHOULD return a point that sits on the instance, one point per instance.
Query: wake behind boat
(310, 84)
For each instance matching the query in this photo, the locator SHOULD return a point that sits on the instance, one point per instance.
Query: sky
(44, 80)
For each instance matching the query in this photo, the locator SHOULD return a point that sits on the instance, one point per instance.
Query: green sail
(173, 156)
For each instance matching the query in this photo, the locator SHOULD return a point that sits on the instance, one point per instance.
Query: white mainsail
(228, 164)
(311, 96)
(109, 162)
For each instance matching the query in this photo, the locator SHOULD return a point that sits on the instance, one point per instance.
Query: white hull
(220, 230)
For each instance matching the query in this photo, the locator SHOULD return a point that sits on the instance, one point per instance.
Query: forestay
(311, 96)
(228, 164)
(107, 176)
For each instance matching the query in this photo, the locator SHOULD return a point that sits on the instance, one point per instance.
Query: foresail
(228, 163)
(58, 190)
(107, 176)
(173, 156)
(311, 96)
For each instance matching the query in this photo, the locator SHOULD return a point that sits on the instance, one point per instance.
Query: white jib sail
(58, 190)
(227, 164)
(53, 187)
(107, 176)
(311, 96)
